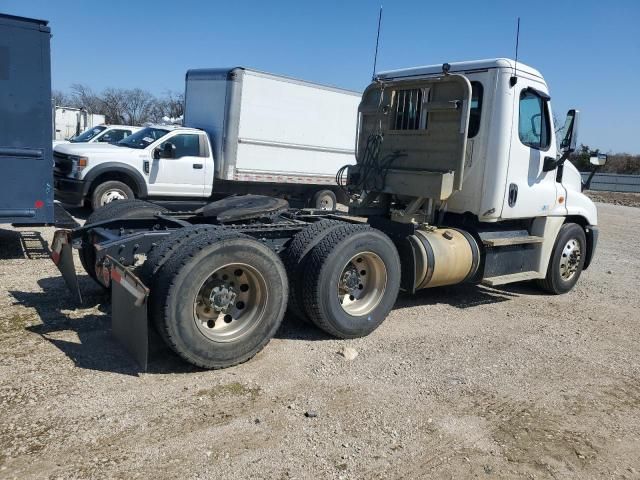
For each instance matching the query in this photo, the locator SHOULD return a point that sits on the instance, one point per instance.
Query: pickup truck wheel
(110, 191)
(220, 298)
(352, 280)
(295, 256)
(324, 200)
(125, 209)
(567, 260)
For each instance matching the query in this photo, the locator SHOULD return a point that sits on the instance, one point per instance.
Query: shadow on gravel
(21, 244)
(459, 296)
(96, 348)
(293, 328)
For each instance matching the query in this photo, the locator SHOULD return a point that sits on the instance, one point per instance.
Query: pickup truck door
(183, 175)
(530, 191)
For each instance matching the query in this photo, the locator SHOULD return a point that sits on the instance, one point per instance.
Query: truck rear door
(26, 165)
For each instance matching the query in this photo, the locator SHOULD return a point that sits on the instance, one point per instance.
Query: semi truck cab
(459, 178)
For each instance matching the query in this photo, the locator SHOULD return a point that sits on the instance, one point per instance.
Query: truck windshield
(143, 138)
(88, 135)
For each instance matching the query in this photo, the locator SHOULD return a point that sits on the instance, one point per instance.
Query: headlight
(78, 164)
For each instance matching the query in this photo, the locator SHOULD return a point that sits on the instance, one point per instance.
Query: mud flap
(62, 256)
(129, 311)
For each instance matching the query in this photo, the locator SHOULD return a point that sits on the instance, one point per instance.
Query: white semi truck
(244, 132)
(458, 179)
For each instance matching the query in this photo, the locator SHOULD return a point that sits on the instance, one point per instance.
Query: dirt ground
(459, 382)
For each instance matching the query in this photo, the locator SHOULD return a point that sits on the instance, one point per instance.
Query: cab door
(530, 191)
(182, 174)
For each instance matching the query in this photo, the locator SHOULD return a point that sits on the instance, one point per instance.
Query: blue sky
(589, 51)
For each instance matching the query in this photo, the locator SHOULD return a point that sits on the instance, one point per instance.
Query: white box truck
(244, 132)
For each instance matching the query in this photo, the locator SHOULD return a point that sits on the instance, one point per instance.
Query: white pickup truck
(101, 134)
(245, 132)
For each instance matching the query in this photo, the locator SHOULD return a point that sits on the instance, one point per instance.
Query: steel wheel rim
(570, 259)
(362, 284)
(230, 303)
(112, 195)
(325, 201)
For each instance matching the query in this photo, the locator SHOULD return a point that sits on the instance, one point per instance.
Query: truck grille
(62, 165)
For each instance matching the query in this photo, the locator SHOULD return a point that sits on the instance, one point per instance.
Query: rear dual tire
(351, 281)
(219, 299)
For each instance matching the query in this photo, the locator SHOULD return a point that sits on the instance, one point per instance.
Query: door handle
(513, 194)
(197, 166)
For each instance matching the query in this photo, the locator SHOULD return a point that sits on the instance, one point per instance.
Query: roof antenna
(514, 79)
(375, 57)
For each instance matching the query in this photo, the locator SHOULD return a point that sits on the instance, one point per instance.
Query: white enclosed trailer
(69, 122)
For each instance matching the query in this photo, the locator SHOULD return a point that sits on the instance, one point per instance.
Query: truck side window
(114, 136)
(187, 145)
(533, 126)
(476, 109)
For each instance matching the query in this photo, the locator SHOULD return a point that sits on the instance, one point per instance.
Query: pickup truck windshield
(143, 138)
(88, 135)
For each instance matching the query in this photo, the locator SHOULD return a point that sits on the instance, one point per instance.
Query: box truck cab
(245, 132)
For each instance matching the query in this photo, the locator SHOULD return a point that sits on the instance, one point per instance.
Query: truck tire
(158, 256)
(352, 280)
(566, 261)
(324, 200)
(295, 256)
(110, 191)
(123, 209)
(220, 298)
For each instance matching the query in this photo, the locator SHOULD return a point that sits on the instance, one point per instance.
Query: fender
(115, 167)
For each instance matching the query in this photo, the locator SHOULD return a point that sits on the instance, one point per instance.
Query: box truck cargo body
(269, 128)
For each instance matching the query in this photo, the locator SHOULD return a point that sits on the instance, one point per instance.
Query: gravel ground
(617, 198)
(459, 382)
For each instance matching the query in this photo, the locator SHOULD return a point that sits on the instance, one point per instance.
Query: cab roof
(460, 67)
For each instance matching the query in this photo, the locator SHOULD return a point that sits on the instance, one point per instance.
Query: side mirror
(598, 160)
(568, 143)
(168, 150)
(156, 153)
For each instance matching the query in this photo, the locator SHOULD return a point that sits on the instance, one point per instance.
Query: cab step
(511, 278)
(505, 238)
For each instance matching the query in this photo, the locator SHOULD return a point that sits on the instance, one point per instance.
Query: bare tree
(83, 97)
(138, 106)
(60, 98)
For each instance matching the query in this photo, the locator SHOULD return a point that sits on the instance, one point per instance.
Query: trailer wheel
(295, 256)
(123, 209)
(324, 200)
(566, 261)
(351, 281)
(220, 298)
(110, 191)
